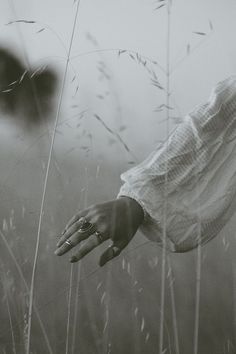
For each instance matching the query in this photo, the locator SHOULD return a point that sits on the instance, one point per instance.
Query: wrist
(135, 206)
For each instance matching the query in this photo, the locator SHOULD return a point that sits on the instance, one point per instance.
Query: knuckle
(103, 227)
(77, 225)
(102, 218)
(96, 219)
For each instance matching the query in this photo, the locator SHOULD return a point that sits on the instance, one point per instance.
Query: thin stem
(27, 288)
(45, 186)
(163, 266)
(173, 306)
(107, 302)
(118, 50)
(199, 265)
(5, 288)
(197, 306)
(12, 332)
(61, 292)
(69, 311)
(29, 69)
(85, 205)
(76, 309)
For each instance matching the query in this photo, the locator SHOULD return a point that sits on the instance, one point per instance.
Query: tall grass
(32, 287)
(164, 221)
(5, 284)
(21, 275)
(76, 309)
(198, 271)
(173, 306)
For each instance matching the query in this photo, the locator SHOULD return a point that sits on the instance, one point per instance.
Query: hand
(117, 220)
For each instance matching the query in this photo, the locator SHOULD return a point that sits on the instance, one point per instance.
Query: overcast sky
(127, 98)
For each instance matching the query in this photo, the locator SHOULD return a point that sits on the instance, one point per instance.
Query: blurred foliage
(25, 94)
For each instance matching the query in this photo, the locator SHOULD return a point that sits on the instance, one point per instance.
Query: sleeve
(180, 169)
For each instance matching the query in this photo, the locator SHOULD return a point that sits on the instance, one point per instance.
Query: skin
(117, 220)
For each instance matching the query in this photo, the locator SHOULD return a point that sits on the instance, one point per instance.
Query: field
(77, 113)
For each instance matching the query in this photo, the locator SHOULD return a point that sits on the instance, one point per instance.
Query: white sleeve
(199, 159)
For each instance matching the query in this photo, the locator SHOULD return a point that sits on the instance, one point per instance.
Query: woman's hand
(117, 220)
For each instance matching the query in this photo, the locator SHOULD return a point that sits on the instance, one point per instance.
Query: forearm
(178, 174)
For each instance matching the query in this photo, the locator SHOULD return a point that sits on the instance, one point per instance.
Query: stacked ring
(86, 226)
(90, 228)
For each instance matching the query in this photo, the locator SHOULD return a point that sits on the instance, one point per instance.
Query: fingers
(65, 247)
(75, 218)
(110, 253)
(74, 229)
(72, 238)
(87, 247)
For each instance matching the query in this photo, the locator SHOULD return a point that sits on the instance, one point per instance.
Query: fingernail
(73, 259)
(102, 263)
(116, 250)
(57, 252)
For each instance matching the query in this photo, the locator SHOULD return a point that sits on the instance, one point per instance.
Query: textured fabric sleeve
(198, 161)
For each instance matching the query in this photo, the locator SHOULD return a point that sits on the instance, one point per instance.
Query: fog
(110, 118)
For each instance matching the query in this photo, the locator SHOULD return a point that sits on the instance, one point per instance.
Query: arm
(192, 155)
(199, 160)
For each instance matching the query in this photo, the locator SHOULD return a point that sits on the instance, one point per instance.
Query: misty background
(111, 117)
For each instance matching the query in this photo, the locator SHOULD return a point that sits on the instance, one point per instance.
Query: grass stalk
(69, 311)
(197, 306)
(173, 306)
(163, 263)
(85, 205)
(198, 267)
(11, 326)
(18, 267)
(76, 310)
(32, 287)
(5, 288)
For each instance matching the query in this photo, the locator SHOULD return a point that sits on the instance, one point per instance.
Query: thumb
(111, 252)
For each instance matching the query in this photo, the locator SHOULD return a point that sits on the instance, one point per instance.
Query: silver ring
(87, 227)
(69, 243)
(99, 236)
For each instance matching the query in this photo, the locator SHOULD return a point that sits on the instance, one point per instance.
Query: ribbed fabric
(200, 156)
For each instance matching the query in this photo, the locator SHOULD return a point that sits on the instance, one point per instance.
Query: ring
(99, 236)
(116, 250)
(85, 225)
(69, 243)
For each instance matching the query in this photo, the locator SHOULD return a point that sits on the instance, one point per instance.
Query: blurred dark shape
(25, 95)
